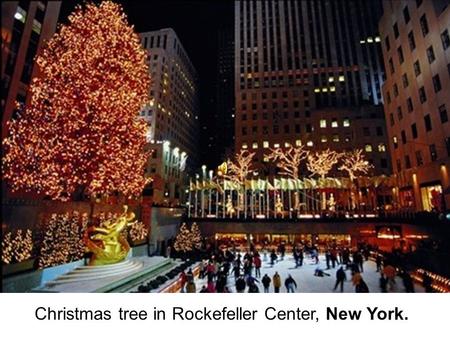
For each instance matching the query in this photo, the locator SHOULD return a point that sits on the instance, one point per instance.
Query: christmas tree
(62, 241)
(196, 236)
(183, 241)
(81, 132)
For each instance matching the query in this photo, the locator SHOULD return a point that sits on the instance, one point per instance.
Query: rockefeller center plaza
(265, 147)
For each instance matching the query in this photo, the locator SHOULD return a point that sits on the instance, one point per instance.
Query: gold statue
(106, 243)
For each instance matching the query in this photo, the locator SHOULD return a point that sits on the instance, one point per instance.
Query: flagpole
(267, 198)
(290, 203)
(189, 197)
(223, 202)
(282, 200)
(245, 201)
(196, 199)
(217, 203)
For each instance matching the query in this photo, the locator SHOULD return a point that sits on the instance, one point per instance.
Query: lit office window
(323, 123)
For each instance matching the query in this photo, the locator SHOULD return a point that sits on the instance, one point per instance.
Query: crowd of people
(228, 270)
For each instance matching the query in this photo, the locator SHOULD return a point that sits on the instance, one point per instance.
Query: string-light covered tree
(354, 163)
(240, 167)
(183, 240)
(289, 161)
(17, 247)
(62, 241)
(81, 131)
(238, 171)
(196, 236)
(320, 163)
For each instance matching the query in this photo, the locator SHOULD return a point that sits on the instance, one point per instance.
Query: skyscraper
(172, 114)
(25, 27)
(296, 58)
(416, 50)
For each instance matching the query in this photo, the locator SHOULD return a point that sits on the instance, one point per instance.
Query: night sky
(196, 23)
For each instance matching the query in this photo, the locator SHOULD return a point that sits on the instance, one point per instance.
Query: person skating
(240, 284)
(266, 283)
(320, 273)
(273, 257)
(390, 272)
(257, 262)
(378, 261)
(383, 283)
(328, 259)
(341, 277)
(407, 282)
(190, 287)
(276, 282)
(290, 284)
(361, 287)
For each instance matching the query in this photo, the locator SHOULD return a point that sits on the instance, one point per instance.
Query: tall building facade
(25, 27)
(296, 58)
(416, 50)
(172, 115)
(225, 95)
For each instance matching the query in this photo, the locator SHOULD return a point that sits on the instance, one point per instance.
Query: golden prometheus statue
(105, 242)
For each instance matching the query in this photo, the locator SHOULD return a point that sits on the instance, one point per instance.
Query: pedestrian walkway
(307, 282)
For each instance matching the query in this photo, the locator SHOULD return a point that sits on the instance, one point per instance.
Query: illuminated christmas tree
(81, 132)
(196, 236)
(183, 241)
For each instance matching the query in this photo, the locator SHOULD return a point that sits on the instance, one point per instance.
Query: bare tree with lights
(320, 164)
(238, 171)
(289, 161)
(354, 163)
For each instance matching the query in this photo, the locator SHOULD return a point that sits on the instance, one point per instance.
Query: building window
(346, 122)
(418, 2)
(427, 120)
(447, 145)
(419, 158)
(399, 113)
(391, 66)
(430, 54)
(414, 130)
(401, 59)
(406, 14)
(445, 38)
(391, 119)
(382, 148)
(265, 144)
(298, 143)
(407, 162)
(334, 123)
(323, 123)
(412, 42)
(405, 80)
(388, 97)
(395, 142)
(437, 83)
(403, 135)
(244, 146)
(323, 139)
(409, 104)
(396, 32)
(380, 131)
(255, 145)
(417, 70)
(387, 43)
(433, 152)
(399, 165)
(366, 131)
(443, 113)
(424, 25)
(395, 90)
(422, 95)
(335, 138)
